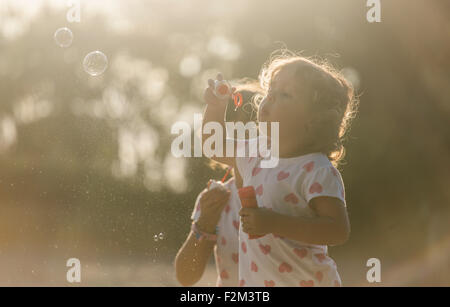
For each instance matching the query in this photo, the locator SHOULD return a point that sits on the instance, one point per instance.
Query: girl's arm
(215, 113)
(191, 260)
(330, 227)
(193, 256)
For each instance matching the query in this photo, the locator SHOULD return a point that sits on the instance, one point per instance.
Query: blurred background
(85, 163)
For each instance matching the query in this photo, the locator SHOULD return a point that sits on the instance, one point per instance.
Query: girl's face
(284, 104)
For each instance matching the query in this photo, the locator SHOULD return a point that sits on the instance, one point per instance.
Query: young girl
(214, 208)
(301, 204)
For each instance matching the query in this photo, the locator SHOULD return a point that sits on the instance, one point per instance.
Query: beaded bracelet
(201, 235)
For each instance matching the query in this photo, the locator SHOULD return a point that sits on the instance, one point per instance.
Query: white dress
(287, 189)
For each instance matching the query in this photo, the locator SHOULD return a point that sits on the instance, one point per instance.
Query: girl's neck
(293, 151)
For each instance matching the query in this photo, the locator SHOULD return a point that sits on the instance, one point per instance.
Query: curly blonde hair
(330, 100)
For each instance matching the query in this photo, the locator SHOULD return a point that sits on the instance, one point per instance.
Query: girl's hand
(211, 98)
(256, 221)
(211, 205)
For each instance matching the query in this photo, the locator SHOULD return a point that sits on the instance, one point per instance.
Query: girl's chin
(263, 119)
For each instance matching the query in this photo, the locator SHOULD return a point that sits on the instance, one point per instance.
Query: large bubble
(95, 63)
(63, 37)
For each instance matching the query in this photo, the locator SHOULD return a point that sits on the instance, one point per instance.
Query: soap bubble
(63, 37)
(95, 63)
(161, 236)
(155, 238)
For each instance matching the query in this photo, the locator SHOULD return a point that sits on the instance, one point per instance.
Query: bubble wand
(226, 174)
(222, 89)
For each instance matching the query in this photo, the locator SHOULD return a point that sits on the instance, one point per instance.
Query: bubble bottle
(247, 196)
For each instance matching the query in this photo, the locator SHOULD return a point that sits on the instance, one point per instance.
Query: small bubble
(161, 236)
(63, 37)
(95, 63)
(155, 238)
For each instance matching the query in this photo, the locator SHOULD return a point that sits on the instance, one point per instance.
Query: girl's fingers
(219, 76)
(219, 200)
(216, 193)
(212, 200)
(209, 94)
(244, 212)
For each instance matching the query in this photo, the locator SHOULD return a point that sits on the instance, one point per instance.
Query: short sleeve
(324, 181)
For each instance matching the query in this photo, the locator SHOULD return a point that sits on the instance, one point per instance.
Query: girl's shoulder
(310, 167)
(306, 162)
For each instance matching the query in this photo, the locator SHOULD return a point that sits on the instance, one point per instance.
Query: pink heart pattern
(235, 257)
(300, 252)
(309, 166)
(285, 267)
(282, 175)
(307, 283)
(224, 274)
(319, 276)
(259, 190)
(269, 283)
(256, 171)
(291, 198)
(315, 188)
(236, 224)
(241, 283)
(254, 267)
(244, 247)
(320, 257)
(264, 248)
